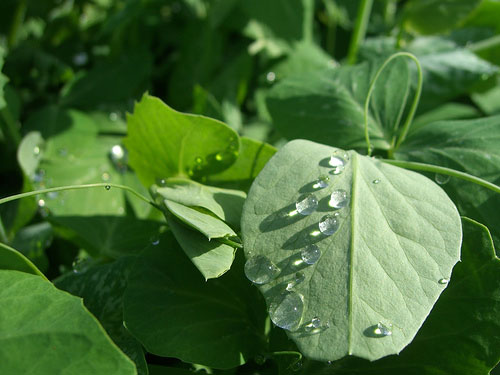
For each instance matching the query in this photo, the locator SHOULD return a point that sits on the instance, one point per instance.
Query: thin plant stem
(485, 44)
(443, 170)
(78, 187)
(3, 233)
(16, 23)
(229, 242)
(413, 108)
(364, 10)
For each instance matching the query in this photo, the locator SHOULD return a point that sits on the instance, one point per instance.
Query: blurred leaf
(47, 330)
(165, 143)
(435, 16)
(3, 79)
(224, 317)
(488, 101)
(102, 288)
(32, 241)
(449, 111)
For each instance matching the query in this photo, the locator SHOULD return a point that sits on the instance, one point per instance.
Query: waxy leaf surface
(398, 236)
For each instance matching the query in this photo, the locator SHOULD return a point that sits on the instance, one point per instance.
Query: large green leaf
(11, 259)
(328, 106)
(457, 338)
(165, 143)
(102, 288)
(174, 312)
(471, 146)
(396, 238)
(113, 236)
(226, 204)
(434, 16)
(46, 331)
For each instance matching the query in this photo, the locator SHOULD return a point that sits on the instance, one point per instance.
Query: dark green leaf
(11, 259)
(174, 312)
(47, 330)
(32, 241)
(396, 237)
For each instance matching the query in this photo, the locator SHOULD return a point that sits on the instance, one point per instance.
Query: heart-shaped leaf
(360, 273)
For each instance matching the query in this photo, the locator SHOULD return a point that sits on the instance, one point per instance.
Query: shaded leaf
(32, 241)
(11, 259)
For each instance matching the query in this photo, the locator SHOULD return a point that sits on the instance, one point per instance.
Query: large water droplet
(297, 279)
(286, 310)
(339, 198)
(339, 158)
(441, 179)
(444, 281)
(310, 254)
(382, 330)
(328, 225)
(306, 204)
(321, 182)
(260, 270)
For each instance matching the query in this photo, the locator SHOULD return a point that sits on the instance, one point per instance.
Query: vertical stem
(3, 234)
(16, 23)
(307, 24)
(364, 10)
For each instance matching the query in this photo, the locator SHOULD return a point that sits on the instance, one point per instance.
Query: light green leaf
(488, 101)
(165, 143)
(435, 16)
(471, 146)
(218, 323)
(102, 288)
(225, 203)
(113, 236)
(328, 106)
(398, 235)
(212, 258)
(252, 157)
(29, 152)
(47, 331)
(457, 337)
(11, 259)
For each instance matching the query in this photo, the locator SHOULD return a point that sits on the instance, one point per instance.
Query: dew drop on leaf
(296, 366)
(337, 170)
(306, 204)
(382, 330)
(339, 198)
(441, 179)
(260, 270)
(107, 187)
(155, 240)
(297, 279)
(286, 310)
(313, 324)
(321, 182)
(339, 158)
(118, 156)
(219, 156)
(310, 254)
(105, 176)
(328, 225)
(443, 281)
(271, 76)
(36, 151)
(376, 181)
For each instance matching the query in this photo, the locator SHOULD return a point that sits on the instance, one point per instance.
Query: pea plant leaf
(11, 259)
(210, 323)
(355, 268)
(47, 330)
(456, 338)
(330, 104)
(165, 143)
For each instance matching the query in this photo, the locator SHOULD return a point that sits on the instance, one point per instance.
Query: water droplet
(306, 204)
(337, 170)
(321, 182)
(313, 324)
(39, 175)
(161, 182)
(310, 254)
(113, 116)
(297, 279)
(107, 187)
(260, 270)
(296, 366)
(41, 203)
(444, 281)
(339, 158)
(286, 310)
(328, 225)
(441, 179)
(118, 156)
(382, 330)
(219, 156)
(52, 194)
(80, 264)
(271, 76)
(80, 58)
(198, 160)
(36, 151)
(339, 198)
(376, 181)
(155, 240)
(105, 176)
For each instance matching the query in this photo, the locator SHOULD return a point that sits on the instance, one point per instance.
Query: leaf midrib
(351, 261)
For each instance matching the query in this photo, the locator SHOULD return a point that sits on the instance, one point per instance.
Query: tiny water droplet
(297, 279)
(155, 240)
(118, 156)
(113, 116)
(376, 181)
(41, 203)
(321, 182)
(306, 204)
(80, 58)
(444, 281)
(313, 324)
(286, 310)
(296, 366)
(161, 182)
(339, 198)
(382, 330)
(271, 76)
(310, 254)
(198, 160)
(328, 225)
(80, 264)
(105, 176)
(39, 175)
(441, 179)
(219, 156)
(337, 170)
(107, 187)
(36, 151)
(260, 270)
